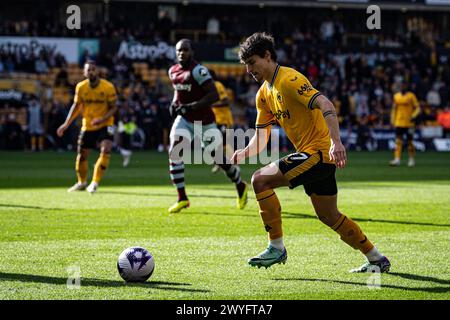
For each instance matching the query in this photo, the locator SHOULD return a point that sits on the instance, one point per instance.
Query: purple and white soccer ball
(135, 264)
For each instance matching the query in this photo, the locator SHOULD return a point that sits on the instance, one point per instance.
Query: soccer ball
(135, 264)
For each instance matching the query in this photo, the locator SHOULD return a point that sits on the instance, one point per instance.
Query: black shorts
(401, 132)
(90, 139)
(310, 171)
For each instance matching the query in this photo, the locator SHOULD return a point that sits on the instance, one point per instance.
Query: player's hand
(96, 121)
(172, 111)
(338, 154)
(238, 156)
(61, 129)
(415, 120)
(181, 109)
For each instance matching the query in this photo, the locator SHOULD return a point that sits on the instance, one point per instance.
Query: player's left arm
(208, 99)
(299, 87)
(416, 106)
(202, 76)
(112, 108)
(224, 101)
(337, 151)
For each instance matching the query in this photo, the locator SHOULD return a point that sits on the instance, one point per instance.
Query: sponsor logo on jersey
(91, 101)
(295, 78)
(281, 114)
(182, 87)
(203, 72)
(304, 88)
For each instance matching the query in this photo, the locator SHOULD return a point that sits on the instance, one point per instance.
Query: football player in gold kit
(223, 115)
(96, 99)
(404, 112)
(310, 122)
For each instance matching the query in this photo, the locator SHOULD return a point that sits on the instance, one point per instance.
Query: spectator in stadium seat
(443, 119)
(150, 124)
(35, 125)
(56, 116)
(164, 25)
(9, 64)
(62, 78)
(213, 26)
(327, 30)
(433, 97)
(13, 133)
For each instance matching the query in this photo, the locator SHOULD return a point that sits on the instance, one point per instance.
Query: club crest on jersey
(187, 75)
(203, 72)
(279, 98)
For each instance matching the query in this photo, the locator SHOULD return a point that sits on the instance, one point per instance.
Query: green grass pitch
(201, 253)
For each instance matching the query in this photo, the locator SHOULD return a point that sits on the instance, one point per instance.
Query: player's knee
(259, 182)
(106, 147)
(328, 217)
(82, 155)
(106, 150)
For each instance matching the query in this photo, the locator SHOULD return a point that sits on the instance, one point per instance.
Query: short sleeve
(111, 94)
(201, 74)
(264, 118)
(76, 97)
(221, 90)
(300, 89)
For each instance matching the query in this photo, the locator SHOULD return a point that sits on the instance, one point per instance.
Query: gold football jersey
(95, 102)
(222, 113)
(405, 108)
(289, 101)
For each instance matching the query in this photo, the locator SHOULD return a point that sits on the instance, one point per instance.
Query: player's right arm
(223, 96)
(416, 107)
(258, 142)
(393, 112)
(74, 111)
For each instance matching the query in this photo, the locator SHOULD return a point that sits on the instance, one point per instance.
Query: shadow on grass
(290, 215)
(307, 216)
(6, 205)
(92, 282)
(419, 278)
(126, 193)
(383, 285)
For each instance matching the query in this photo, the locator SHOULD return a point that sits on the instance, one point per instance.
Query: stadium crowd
(360, 82)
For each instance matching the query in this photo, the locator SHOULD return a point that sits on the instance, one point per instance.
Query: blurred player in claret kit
(96, 99)
(195, 92)
(311, 125)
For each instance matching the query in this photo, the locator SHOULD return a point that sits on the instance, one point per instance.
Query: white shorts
(206, 141)
(186, 129)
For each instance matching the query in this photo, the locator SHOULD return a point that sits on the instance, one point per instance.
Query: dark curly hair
(258, 43)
